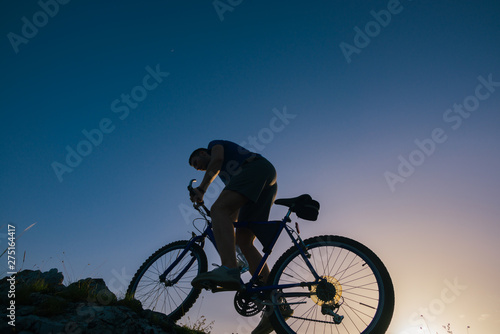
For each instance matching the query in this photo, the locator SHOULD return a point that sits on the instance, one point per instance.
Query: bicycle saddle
(303, 206)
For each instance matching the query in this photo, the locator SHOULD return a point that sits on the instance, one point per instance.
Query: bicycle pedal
(213, 287)
(218, 289)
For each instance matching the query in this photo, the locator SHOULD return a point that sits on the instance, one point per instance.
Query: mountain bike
(329, 284)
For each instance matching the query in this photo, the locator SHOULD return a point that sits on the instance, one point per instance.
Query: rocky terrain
(36, 302)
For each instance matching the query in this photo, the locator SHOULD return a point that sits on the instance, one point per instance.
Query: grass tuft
(199, 325)
(131, 303)
(24, 291)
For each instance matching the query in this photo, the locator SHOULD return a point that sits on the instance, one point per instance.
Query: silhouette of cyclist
(250, 190)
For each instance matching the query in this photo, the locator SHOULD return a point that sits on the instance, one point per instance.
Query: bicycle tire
(174, 300)
(362, 283)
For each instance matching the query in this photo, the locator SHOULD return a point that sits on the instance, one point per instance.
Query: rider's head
(199, 159)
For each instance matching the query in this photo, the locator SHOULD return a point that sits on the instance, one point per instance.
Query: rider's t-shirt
(234, 157)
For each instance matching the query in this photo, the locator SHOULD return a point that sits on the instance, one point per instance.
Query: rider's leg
(245, 239)
(224, 213)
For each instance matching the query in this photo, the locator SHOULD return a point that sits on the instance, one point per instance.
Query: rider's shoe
(228, 278)
(265, 326)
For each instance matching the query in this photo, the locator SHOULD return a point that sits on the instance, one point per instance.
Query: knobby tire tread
(193, 295)
(383, 323)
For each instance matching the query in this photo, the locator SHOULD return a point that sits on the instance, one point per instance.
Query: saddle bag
(303, 206)
(307, 208)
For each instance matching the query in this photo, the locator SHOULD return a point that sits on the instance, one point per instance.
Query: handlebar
(190, 187)
(196, 205)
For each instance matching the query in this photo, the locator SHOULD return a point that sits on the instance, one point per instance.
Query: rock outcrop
(39, 303)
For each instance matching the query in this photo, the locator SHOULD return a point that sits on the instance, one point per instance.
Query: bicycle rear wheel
(354, 284)
(173, 295)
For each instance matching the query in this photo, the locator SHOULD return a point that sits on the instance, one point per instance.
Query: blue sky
(334, 126)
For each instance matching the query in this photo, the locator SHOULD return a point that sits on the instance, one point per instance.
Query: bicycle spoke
(349, 287)
(175, 295)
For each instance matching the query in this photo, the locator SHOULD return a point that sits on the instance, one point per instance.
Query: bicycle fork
(176, 262)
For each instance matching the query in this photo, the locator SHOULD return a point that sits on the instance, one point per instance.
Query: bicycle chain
(314, 320)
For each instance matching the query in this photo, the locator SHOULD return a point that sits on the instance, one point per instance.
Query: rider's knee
(223, 206)
(219, 209)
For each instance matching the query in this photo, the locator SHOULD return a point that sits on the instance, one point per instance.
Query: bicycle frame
(325, 280)
(251, 286)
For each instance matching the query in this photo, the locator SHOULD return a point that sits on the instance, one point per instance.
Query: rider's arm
(214, 166)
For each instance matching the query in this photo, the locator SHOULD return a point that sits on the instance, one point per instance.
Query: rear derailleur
(332, 310)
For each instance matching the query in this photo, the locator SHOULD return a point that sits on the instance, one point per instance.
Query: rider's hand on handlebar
(197, 195)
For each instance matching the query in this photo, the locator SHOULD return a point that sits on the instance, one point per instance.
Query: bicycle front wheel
(173, 294)
(354, 292)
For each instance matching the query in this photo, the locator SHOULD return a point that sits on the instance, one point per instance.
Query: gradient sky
(275, 75)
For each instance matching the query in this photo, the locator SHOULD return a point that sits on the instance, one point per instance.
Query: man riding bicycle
(250, 190)
(325, 295)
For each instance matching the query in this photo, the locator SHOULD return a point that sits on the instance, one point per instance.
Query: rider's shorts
(256, 181)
